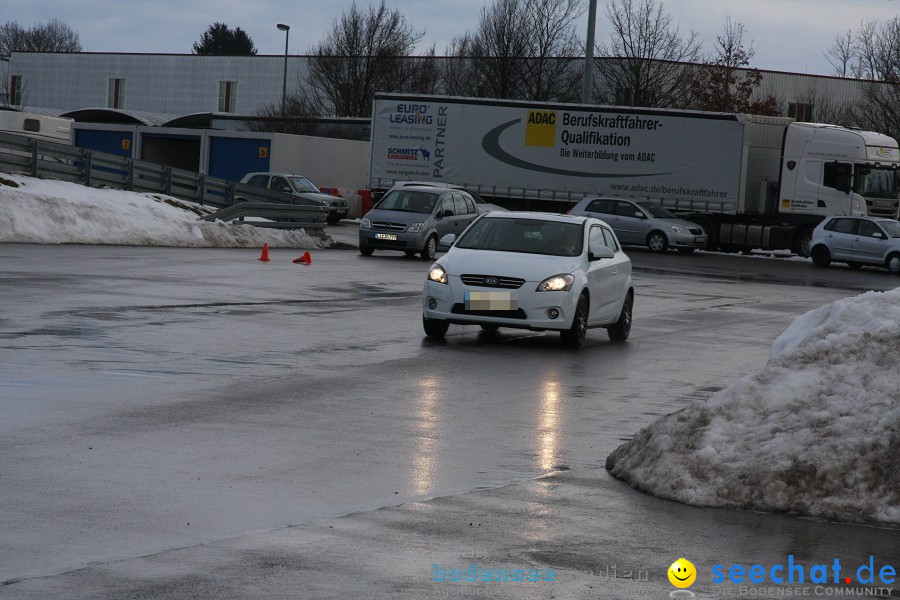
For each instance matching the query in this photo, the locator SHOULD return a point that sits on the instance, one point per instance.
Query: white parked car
(534, 271)
(301, 187)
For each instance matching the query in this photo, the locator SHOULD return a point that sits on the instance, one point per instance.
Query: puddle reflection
(425, 454)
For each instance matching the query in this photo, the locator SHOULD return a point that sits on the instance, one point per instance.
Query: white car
(300, 187)
(533, 271)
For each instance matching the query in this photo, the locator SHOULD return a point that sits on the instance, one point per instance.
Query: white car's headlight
(437, 274)
(326, 202)
(678, 229)
(365, 223)
(416, 227)
(557, 283)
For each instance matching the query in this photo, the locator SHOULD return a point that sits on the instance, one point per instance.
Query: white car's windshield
(408, 201)
(531, 236)
(302, 184)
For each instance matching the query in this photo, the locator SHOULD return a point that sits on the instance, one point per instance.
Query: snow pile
(815, 433)
(56, 212)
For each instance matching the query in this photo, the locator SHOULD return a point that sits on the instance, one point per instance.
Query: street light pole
(587, 81)
(287, 32)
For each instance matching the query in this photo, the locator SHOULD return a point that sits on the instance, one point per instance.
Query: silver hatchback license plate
(386, 236)
(491, 301)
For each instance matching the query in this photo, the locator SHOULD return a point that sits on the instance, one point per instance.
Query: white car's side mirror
(599, 251)
(448, 240)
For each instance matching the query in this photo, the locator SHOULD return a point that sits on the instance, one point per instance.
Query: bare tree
(499, 46)
(842, 54)
(521, 49)
(867, 49)
(52, 36)
(457, 71)
(298, 119)
(826, 109)
(878, 50)
(364, 53)
(643, 63)
(726, 83)
(553, 48)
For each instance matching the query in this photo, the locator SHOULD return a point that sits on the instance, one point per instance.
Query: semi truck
(750, 181)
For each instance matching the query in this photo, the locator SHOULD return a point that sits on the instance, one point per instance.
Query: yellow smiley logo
(682, 573)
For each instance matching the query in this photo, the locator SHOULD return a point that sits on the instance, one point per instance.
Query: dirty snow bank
(56, 212)
(814, 433)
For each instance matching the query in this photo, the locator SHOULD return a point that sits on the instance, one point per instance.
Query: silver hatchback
(857, 241)
(643, 222)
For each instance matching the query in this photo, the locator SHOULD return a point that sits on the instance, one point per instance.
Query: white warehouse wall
(328, 162)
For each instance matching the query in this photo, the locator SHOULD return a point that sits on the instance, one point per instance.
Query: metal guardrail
(51, 160)
(282, 215)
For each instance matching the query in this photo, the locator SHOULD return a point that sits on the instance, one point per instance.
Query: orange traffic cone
(306, 259)
(265, 253)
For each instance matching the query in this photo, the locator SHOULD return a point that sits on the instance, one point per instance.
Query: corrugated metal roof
(47, 112)
(115, 115)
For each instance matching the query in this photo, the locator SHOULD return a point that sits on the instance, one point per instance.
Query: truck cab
(829, 170)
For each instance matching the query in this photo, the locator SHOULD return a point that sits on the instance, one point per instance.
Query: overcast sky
(790, 35)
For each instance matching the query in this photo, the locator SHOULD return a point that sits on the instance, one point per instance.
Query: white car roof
(543, 216)
(279, 174)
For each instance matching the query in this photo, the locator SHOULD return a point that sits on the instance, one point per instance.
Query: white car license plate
(491, 301)
(386, 236)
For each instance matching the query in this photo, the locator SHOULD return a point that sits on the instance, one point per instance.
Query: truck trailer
(38, 126)
(750, 181)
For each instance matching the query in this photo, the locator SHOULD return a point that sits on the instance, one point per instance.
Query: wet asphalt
(196, 423)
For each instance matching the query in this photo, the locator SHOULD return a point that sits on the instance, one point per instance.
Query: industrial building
(189, 111)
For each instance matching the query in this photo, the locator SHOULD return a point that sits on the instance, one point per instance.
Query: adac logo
(682, 574)
(540, 128)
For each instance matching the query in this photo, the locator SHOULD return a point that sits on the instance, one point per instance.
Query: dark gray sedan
(413, 218)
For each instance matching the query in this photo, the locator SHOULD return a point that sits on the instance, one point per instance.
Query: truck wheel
(574, 336)
(435, 328)
(657, 241)
(622, 328)
(366, 250)
(430, 249)
(893, 264)
(821, 256)
(802, 242)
